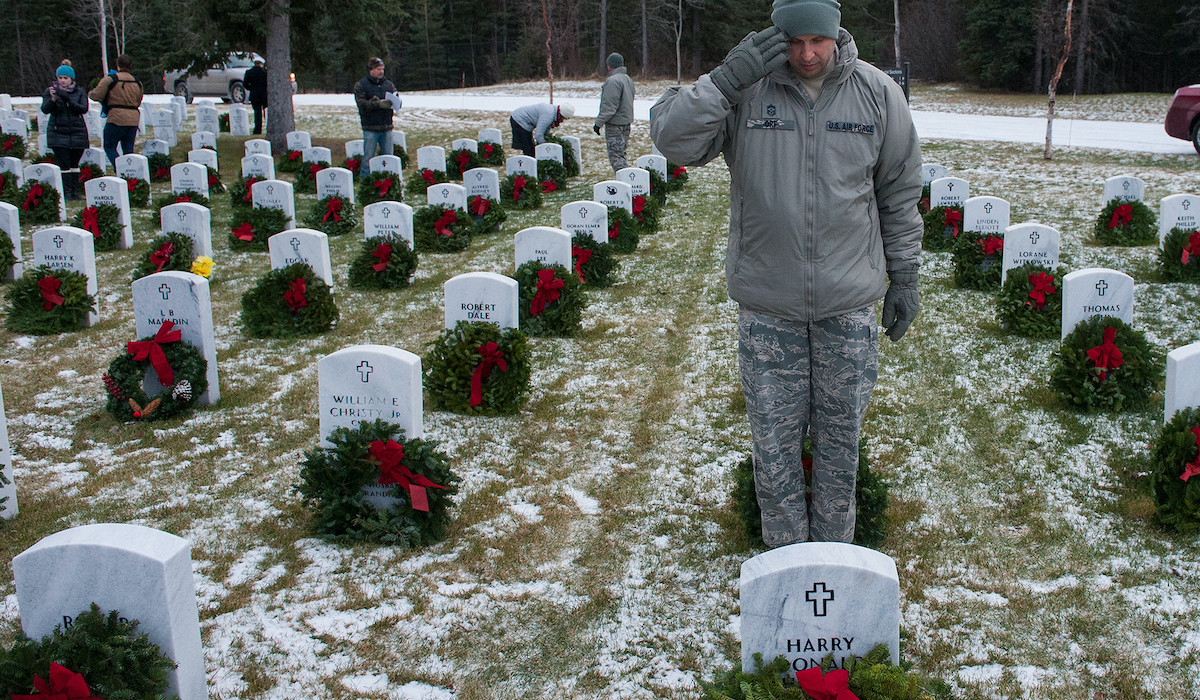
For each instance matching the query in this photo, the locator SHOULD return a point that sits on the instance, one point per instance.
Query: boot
(70, 180)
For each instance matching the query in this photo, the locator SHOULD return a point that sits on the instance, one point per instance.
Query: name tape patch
(850, 127)
(783, 124)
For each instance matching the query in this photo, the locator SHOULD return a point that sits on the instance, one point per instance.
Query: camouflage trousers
(807, 379)
(616, 138)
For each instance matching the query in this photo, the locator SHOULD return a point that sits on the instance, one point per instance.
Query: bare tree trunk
(896, 34)
(549, 54)
(645, 40)
(281, 118)
(1062, 61)
(118, 25)
(603, 68)
(103, 34)
(1081, 50)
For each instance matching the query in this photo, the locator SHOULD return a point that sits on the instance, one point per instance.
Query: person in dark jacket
(255, 82)
(67, 133)
(374, 113)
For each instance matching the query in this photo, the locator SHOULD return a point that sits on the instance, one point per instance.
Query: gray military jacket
(616, 99)
(823, 197)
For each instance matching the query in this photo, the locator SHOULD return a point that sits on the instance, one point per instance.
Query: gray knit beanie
(615, 60)
(801, 17)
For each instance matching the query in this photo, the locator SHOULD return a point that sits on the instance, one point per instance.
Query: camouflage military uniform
(616, 137)
(799, 375)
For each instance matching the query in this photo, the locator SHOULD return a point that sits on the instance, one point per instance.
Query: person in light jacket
(121, 94)
(531, 122)
(66, 133)
(616, 111)
(824, 165)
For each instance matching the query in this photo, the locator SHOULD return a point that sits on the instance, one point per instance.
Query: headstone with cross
(204, 140)
(184, 299)
(11, 167)
(804, 601)
(614, 193)
(302, 245)
(482, 296)
(545, 244)
(1180, 211)
(153, 147)
(586, 217)
(95, 158)
(1096, 291)
(258, 165)
(431, 158)
(8, 490)
(491, 135)
(68, 248)
(482, 182)
(49, 175)
(1030, 243)
(986, 215)
(275, 194)
(298, 140)
(260, 147)
(948, 192)
(656, 163)
(207, 120)
(386, 163)
(549, 151)
(133, 165)
(114, 192)
(464, 145)
(1125, 188)
(192, 220)
(10, 226)
(354, 149)
(16, 127)
(189, 176)
(447, 194)
(638, 179)
(388, 220)
(521, 165)
(1183, 380)
(317, 154)
(931, 172)
(337, 182)
(204, 157)
(163, 122)
(239, 120)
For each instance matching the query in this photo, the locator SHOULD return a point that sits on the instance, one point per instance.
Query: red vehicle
(1183, 116)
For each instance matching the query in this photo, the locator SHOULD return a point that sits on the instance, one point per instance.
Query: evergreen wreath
(645, 213)
(38, 203)
(170, 198)
(459, 161)
(1130, 223)
(923, 202)
(1175, 473)
(172, 251)
(223, 123)
(46, 159)
(1105, 365)
(1030, 303)
(978, 260)
(519, 191)
(677, 177)
(380, 186)
(214, 181)
(306, 179)
(942, 227)
(180, 368)
(353, 165)
(437, 229)
(8, 188)
(103, 221)
(402, 153)
(551, 299)
(12, 146)
(116, 660)
(290, 162)
(870, 493)
(486, 214)
(251, 227)
(160, 167)
(490, 153)
(383, 262)
(139, 192)
(288, 302)
(1179, 257)
(334, 215)
(46, 301)
(475, 368)
(570, 162)
(622, 231)
(418, 183)
(552, 175)
(658, 187)
(593, 261)
(87, 171)
(332, 481)
(240, 194)
(8, 255)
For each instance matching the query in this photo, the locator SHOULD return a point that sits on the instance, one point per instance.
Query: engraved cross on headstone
(819, 596)
(386, 211)
(365, 369)
(58, 241)
(583, 212)
(1125, 185)
(1101, 286)
(295, 244)
(1033, 237)
(102, 185)
(165, 291)
(987, 208)
(1187, 203)
(950, 186)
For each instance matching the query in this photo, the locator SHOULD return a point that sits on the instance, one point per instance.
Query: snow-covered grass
(594, 551)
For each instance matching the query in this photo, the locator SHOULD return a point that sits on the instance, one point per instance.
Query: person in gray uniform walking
(616, 111)
(824, 164)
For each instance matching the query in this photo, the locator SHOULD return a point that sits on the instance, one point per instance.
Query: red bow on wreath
(924, 203)
(677, 171)
(952, 221)
(293, 155)
(487, 149)
(132, 184)
(581, 256)
(313, 170)
(382, 252)
(86, 173)
(382, 187)
(388, 456)
(992, 245)
(250, 189)
(518, 187)
(639, 205)
(50, 297)
(10, 144)
(547, 291)
(182, 198)
(492, 357)
(294, 296)
(244, 232)
(213, 181)
(1191, 248)
(442, 225)
(834, 685)
(162, 256)
(1043, 284)
(463, 160)
(614, 230)
(352, 164)
(34, 198)
(333, 208)
(2, 181)
(1121, 216)
(427, 176)
(1106, 356)
(549, 186)
(91, 220)
(152, 349)
(162, 172)
(1192, 468)
(480, 206)
(64, 684)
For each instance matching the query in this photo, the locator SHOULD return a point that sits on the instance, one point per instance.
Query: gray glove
(901, 303)
(745, 64)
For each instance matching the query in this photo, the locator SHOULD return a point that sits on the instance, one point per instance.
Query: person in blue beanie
(66, 134)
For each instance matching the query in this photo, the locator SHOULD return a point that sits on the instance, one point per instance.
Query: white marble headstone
(482, 182)
(96, 158)
(163, 121)
(184, 299)
(1183, 380)
(1030, 243)
(257, 146)
(191, 220)
(399, 138)
(549, 151)
(275, 194)
(638, 179)
(389, 220)
(932, 171)
(49, 175)
(490, 135)
(204, 157)
(523, 165)
(114, 192)
(1096, 291)
(143, 574)
(10, 225)
(354, 149)
(8, 491)
(804, 601)
(18, 127)
(298, 140)
(464, 144)
(388, 163)
(586, 217)
(178, 107)
(205, 140)
(431, 158)
(152, 147)
(336, 181)
(133, 165)
(1178, 211)
(260, 165)
(239, 120)
(614, 193)
(948, 192)
(576, 148)
(448, 195)
(207, 121)
(655, 163)
(93, 121)
(68, 248)
(189, 176)
(986, 215)
(13, 167)
(482, 296)
(317, 154)
(1126, 188)
(304, 245)
(547, 245)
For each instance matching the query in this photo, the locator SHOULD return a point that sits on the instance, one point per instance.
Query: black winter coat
(373, 116)
(66, 129)
(255, 82)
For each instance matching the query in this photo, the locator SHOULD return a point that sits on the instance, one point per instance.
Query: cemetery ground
(594, 551)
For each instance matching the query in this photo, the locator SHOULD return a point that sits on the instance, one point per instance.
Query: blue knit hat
(801, 17)
(67, 71)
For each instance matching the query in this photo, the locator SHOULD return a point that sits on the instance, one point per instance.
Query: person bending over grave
(375, 113)
(255, 82)
(67, 133)
(616, 111)
(825, 170)
(121, 95)
(531, 122)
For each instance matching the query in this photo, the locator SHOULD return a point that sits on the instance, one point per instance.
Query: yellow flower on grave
(202, 266)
